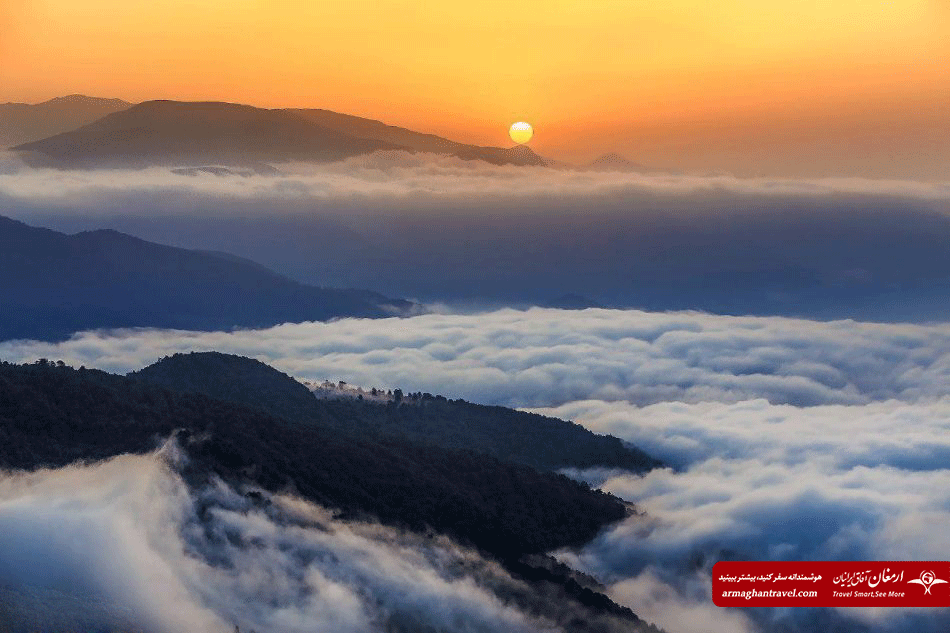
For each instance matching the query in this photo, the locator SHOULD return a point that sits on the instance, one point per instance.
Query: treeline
(514, 436)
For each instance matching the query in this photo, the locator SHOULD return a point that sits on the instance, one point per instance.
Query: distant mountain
(524, 155)
(212, 135)
(53, 284)
(514, 436)
(173, 133)
(25, 122)
(615, 162)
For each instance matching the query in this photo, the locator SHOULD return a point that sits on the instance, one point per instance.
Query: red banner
(831, 584)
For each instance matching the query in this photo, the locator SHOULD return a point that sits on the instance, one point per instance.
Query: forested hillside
(514, 436)
(54, 415)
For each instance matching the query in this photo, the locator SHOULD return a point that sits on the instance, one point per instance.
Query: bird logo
(928, 579)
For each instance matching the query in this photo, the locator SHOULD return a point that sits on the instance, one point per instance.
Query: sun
(521, 132)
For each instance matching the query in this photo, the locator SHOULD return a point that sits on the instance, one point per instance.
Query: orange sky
(650, 79)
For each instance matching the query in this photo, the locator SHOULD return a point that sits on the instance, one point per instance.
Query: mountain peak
(78, 99)
(26, 122)
(522, 149)
(524, 155)
(612, 161)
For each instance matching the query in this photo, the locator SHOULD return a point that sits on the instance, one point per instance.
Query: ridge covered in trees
(55, 415)
(538, 441)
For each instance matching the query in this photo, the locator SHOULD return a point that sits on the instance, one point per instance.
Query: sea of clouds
(129, 534)
(786, 438)
(397, 173)
(437, 228)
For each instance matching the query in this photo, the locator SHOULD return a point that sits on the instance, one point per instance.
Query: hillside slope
(213, 134)
(513, 436)
(26, 122)
(173, 133)
(53, 284)
(419, 141)
(55, 415)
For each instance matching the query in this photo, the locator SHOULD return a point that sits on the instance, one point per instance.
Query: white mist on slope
(176, 559)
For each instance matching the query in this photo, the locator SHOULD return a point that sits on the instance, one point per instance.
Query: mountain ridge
(417, 141)
(182, 134)
(26, 122)
(612, 161)
(53, 284)
(36, 141)
(200, 133)
(544, 443)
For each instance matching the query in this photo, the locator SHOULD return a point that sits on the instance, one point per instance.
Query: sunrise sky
(798, 85)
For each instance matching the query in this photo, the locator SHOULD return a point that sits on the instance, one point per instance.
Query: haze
(785, 88)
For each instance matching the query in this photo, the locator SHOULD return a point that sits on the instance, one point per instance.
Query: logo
(928, 579)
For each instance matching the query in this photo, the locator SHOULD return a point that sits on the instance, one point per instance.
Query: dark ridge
(173, 133)
(55, 415)
(208, 137)
(235, 379)
(53, 284)
(514, 436)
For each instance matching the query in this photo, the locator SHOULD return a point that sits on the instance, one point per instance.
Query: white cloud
(401, 175)
(543, 357)
(790, 438)
(668, 607)
(437, 228)
(175, 559)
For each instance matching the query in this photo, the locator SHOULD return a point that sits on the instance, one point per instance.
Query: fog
(545, 357)
(390, 174)
(171, 557)
(440, 229)
(787, 439)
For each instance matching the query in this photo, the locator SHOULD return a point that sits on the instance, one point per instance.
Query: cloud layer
(437, 228)
(773, 482)
(131, 532)
(389, 173)
(545, 357)
(789, 439)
